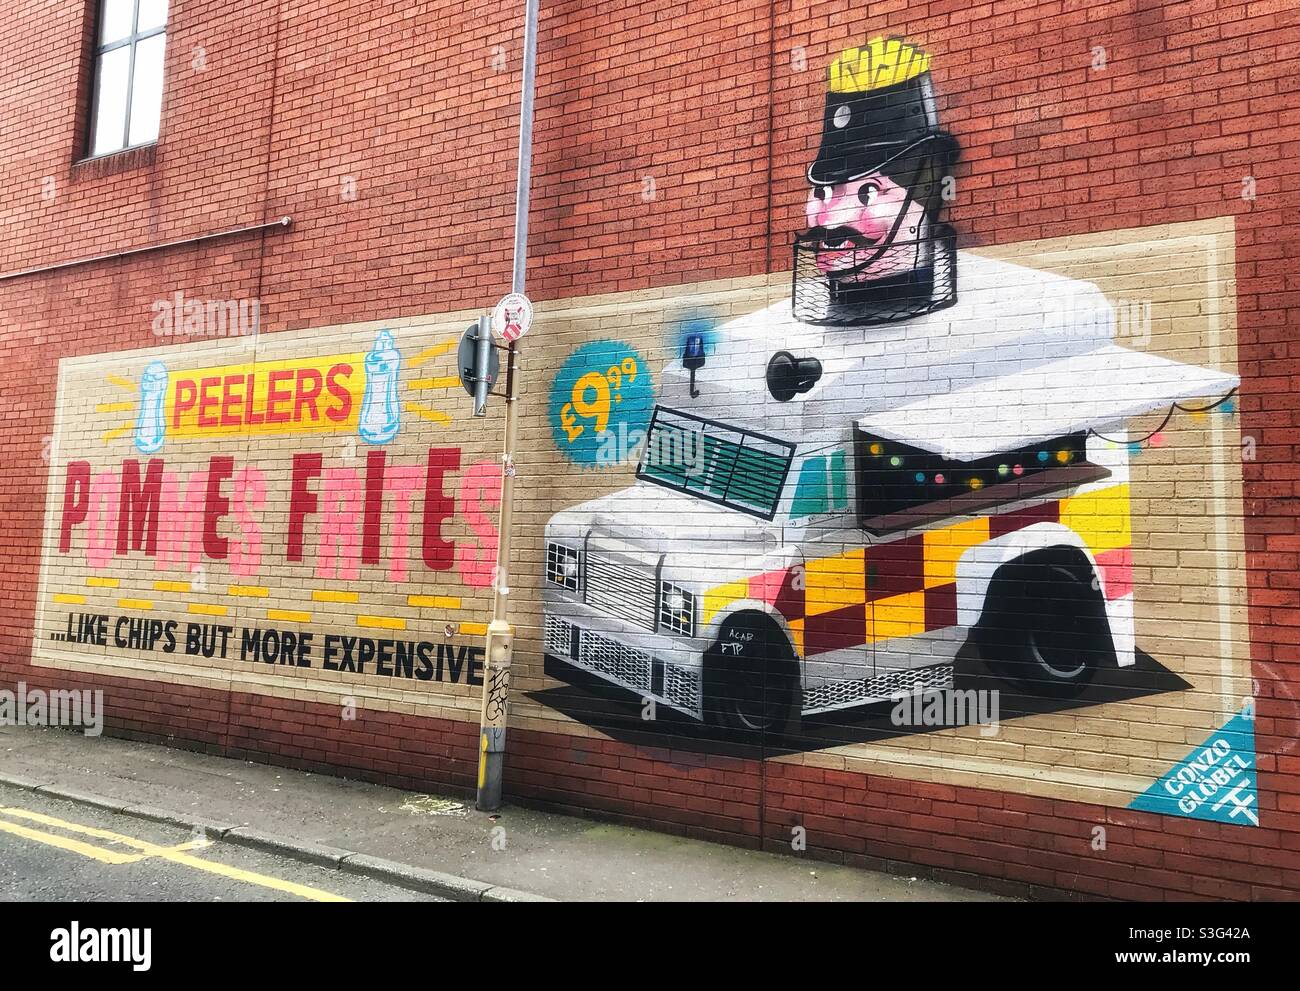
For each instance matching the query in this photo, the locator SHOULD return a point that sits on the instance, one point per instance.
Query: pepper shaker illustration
(151, 423)
(380, 417)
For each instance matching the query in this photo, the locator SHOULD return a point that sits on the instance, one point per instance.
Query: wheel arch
(978, 567)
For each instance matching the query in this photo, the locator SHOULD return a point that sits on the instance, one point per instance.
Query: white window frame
(99, 50)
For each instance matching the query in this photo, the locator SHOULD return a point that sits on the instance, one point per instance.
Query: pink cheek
(886, 210)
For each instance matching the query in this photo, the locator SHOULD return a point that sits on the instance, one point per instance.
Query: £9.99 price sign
(600, 403)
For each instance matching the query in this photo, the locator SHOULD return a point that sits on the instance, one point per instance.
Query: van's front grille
(622, 588)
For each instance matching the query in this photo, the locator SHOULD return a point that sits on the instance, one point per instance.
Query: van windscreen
(716, 462)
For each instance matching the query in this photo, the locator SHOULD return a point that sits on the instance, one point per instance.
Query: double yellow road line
(25, 823)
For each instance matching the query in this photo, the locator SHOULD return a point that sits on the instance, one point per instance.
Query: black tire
(1044, 627)
(751, 678)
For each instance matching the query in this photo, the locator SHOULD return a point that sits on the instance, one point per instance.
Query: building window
(130, 40)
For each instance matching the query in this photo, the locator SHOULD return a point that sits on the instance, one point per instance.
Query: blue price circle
(629, 394)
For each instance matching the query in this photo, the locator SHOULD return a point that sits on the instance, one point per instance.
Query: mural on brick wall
(897, 509)
(281, 513)
(897, 500)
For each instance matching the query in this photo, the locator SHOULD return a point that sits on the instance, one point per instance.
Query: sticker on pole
(512, 317)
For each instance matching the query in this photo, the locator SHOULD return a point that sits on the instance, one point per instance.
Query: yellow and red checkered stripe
(909, 586)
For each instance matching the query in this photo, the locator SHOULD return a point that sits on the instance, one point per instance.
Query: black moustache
(841, 236)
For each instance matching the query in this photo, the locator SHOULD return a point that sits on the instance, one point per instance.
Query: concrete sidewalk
(437, 844)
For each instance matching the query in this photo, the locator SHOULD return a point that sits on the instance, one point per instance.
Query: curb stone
(149, 812)
(26, 784)
(81, 798)
(460, 889)
(312, 853)
(450, 886)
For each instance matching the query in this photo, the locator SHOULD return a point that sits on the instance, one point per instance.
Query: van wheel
(1044, 625)
(751, 678)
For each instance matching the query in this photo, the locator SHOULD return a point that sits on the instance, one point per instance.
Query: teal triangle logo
(1216, 781)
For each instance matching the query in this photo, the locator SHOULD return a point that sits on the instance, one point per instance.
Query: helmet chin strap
(888, 242)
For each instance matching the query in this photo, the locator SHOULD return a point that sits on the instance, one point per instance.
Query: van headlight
(676, 609)
(562, 566)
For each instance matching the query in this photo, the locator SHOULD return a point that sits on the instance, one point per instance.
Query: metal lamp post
(496, 674)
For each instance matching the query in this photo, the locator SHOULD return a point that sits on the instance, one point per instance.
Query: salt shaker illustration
(380, 417)
(151, 422)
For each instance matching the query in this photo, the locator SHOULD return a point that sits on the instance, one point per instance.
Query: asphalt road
(54, 850)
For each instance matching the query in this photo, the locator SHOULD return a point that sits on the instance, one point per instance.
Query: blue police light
(693, 358)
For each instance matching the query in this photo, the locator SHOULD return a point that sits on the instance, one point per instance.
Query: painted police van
(874, 474)
(824, 516)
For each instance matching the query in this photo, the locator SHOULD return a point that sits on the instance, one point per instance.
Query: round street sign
(512, 317)
(466, 359)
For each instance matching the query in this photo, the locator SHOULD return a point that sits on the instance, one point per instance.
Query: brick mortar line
(406, 876)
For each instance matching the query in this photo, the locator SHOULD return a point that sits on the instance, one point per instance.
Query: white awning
(1096, 389)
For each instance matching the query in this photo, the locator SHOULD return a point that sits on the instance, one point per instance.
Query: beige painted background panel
(290, 586)
(1187, 527)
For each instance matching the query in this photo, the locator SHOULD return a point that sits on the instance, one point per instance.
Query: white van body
(1023, 358)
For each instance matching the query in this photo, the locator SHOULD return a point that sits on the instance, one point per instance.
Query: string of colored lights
(1173, 407)
(974, 478)
(976, 481)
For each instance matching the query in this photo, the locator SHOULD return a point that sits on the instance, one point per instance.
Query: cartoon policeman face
(848, 223)
(873, 209)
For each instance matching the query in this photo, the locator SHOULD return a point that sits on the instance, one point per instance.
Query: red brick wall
(296, 99)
